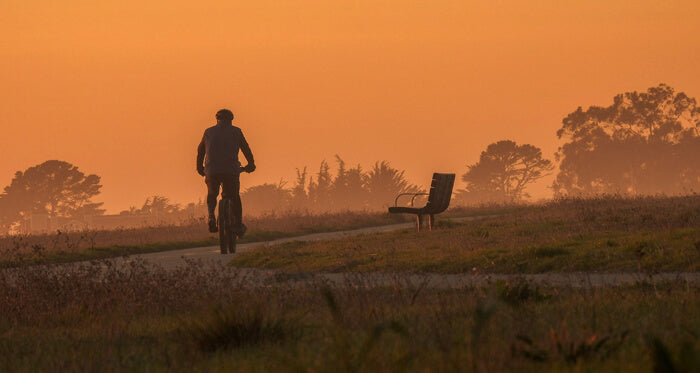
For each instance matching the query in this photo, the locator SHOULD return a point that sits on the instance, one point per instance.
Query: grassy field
(61, 247)
(143, 318)
(97, 317)
(646, 234)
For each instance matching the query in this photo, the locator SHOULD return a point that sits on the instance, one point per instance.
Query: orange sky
(124, 89)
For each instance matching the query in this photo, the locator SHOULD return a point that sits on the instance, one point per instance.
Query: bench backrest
(440, 193)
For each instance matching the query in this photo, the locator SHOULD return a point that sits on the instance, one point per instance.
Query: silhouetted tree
(131, 211)
(266, 198)
(320, 189)
(351, 189)
(159, 205)
(384, 183)
(194, 209)
(503, 172)
(299, 197)
(643, 143)
(55, 188)
(348, 187)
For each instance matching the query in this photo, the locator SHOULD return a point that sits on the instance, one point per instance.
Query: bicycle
(227, 221)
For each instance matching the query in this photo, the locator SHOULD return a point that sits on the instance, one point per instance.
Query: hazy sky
(124, 89)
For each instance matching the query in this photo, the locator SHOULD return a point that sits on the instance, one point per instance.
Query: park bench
(438, 200)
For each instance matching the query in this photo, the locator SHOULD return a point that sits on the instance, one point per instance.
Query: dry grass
(96, 317)
(33, 248)
(609, 233)
(59, 247)
(140, 317)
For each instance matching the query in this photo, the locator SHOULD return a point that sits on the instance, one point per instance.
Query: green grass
(651, 235)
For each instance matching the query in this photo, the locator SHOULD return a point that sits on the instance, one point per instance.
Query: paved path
(211, 255)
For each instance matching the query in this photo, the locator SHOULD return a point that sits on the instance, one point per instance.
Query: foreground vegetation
(649, 234)
(142, 318)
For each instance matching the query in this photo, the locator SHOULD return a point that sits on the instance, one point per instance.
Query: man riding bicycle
(217, 161)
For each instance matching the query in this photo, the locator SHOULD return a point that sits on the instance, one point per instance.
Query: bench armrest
(396, 201)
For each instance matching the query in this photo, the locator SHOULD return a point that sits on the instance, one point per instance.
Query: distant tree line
(345, 189)
(349, 188)
(643, 143)
(59, 189)
(164, 210)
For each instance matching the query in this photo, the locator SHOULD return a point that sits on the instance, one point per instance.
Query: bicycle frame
(227, 224)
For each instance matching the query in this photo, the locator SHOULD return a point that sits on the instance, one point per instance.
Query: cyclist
(217, 161)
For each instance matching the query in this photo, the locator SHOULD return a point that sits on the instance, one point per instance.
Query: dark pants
(230, 187)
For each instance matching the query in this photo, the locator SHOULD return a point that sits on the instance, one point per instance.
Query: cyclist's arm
(201, 151)
(245, 149)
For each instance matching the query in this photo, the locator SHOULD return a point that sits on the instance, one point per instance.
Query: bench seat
(438, 200)
(407, 210)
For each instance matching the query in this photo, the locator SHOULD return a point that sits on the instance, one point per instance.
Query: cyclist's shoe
(212, 225)
(241, 230)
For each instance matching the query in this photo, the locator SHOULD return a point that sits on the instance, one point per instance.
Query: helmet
(224, 114)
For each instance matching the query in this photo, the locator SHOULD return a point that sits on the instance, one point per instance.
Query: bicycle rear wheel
(224, 221)
(233, 229)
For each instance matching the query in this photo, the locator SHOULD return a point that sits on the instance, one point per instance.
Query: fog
(124, 91)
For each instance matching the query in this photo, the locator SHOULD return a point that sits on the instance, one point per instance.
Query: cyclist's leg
(213, 185)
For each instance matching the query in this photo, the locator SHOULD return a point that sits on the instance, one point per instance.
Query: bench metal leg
(419, 222)
(431, 222)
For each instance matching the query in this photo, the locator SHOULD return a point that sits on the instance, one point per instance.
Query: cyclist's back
(221, 145)
(217, 161)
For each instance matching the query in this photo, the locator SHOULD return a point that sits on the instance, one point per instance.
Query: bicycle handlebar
(240, 171)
